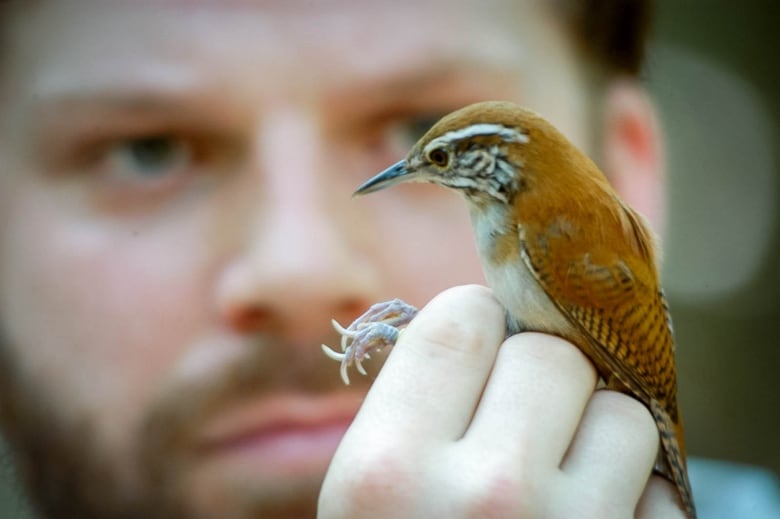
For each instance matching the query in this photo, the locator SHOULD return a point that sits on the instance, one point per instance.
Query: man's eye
(148, 158)
(402, 133)
(415, 127)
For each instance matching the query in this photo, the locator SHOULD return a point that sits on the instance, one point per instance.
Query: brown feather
(563, 252)
(597, 261)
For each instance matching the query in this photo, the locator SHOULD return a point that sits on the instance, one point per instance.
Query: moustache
(267, 365)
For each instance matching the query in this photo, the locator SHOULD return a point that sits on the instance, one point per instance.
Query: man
(176, 235)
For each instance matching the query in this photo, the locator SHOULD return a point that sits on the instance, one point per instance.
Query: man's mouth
(289, 433)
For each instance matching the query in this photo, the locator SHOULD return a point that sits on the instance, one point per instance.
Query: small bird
(562, 252)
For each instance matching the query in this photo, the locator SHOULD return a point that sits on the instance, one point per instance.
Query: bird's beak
(393, 175)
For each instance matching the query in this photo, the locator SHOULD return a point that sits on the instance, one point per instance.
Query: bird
(562, 252)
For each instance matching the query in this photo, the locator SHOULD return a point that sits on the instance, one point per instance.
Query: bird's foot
(378, 328)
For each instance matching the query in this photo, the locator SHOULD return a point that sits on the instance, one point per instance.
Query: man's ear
(633, 150)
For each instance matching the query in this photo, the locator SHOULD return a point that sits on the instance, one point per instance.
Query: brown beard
(59, 471)
(66, 475)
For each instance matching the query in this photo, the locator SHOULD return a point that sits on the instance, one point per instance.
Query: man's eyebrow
(429, 86)
(415, 78)
(119, 98)
(85, 104)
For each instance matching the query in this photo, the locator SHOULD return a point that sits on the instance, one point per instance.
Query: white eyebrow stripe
(474, 130)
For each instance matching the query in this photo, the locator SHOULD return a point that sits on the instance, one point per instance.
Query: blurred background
(714, 73)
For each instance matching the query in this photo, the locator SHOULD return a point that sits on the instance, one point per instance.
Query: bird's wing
(625, 325)
(624, 320)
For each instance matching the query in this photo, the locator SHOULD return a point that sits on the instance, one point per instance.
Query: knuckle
(595, 506)
(450, 335)
(659, 501)
(631, 416)
(463, 319)
(626, 408)
(375, 480)
(471, 291)
(551, 348)
(552, 355)
(502, 491)
(589, 502)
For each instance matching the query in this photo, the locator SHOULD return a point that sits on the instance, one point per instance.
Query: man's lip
(275, 419)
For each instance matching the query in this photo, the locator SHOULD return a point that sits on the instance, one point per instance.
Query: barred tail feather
(671, 462)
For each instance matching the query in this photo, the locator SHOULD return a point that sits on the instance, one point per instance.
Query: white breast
(528, 306)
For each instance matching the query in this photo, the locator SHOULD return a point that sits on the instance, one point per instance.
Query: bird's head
(478, 150)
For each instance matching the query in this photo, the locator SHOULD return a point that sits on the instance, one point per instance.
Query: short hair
(613, 33)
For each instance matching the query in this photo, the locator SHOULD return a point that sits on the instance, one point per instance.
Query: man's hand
(456, 426)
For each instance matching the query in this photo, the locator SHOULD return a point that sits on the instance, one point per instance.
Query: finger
(615, 448)
(432, 380)
(659, 501)
(534, 399)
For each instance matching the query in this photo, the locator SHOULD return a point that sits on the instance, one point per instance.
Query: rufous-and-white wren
(561, 251)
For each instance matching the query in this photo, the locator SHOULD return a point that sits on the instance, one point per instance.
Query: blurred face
(176, 228)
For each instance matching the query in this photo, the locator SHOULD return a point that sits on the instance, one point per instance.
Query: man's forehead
(327, 33)
(443, 8)
(400, 19)
(324, 4)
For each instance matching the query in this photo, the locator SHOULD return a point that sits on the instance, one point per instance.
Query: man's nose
(299, 262)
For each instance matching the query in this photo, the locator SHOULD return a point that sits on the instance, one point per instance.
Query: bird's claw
(376, 329)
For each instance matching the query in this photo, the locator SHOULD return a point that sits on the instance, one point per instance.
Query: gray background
(714, 72)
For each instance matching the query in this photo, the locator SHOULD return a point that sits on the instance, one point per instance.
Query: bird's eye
(439, 157)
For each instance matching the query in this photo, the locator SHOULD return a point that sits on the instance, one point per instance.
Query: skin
(176, 233)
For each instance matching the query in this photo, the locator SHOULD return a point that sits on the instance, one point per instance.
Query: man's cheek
(98, 315)
(426, 245)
